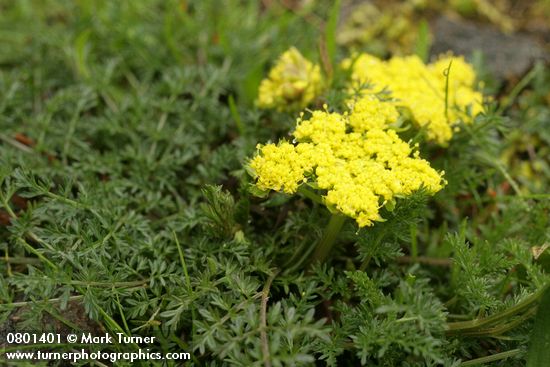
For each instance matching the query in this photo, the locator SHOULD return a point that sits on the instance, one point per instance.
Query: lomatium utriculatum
(355, 163)
(438, 95)
(293, 83)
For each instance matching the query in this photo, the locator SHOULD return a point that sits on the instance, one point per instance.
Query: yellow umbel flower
(292, 84)
(422, 89)
(357, 164)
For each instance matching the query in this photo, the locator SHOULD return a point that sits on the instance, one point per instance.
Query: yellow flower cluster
(292, 83)
(354, 158)
(422, 89)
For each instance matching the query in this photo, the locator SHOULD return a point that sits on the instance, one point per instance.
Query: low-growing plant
(133, 198)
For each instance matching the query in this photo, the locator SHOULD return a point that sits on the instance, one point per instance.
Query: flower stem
(311, 195)
(326, 243)
(492, 358)
(476, 324)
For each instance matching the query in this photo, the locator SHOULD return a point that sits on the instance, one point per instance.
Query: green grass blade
(236, 116)
(330, 31)
(423, 41)
(539, 350)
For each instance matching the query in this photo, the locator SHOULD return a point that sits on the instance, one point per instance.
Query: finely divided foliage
(132, 198)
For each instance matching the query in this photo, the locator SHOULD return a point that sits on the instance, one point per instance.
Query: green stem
(51, 300)
(131, 284)
(492, 358)
(414, 243)
(368, 258)
(311, 195)
(468, 326)
(21, 260)
(499, 330)
(508, 101)
(187, 282)
(324, 246)
(446, 74)
(298, 258)
(34, 251)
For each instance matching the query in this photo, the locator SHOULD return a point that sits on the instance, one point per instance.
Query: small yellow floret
(369, 113)
(292, 84)
(322, 127)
